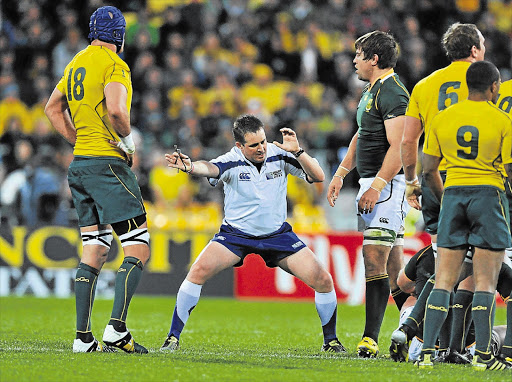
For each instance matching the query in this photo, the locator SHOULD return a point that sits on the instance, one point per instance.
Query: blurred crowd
(197, 64)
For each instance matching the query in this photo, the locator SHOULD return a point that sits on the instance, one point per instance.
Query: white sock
(325, 305)
(188, 296)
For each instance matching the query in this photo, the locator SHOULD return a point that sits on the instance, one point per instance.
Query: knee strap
(136, 236)
(399, 240)
(103, 237)
(379, 236)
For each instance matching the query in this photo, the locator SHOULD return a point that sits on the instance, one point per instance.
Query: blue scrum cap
(107, 24)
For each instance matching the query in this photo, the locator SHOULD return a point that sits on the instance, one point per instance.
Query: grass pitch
(224, 340)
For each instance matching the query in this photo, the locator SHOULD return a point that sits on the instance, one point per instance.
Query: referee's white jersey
(255, 201)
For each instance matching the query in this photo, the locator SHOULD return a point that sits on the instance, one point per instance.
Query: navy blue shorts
(272, 247)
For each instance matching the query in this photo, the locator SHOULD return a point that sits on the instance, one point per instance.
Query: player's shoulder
(456, 71)
(506, 88)
(499, 113)
(105, 57)
(391, 84)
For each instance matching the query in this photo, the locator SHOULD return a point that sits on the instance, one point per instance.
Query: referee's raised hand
(290, 141)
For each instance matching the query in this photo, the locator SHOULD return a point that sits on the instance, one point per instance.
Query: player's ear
(495, 89)
(375, 60)
(238, 144)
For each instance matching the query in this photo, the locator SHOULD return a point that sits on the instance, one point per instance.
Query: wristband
(378, 184)
(298, 153)
(412, 182)
(191, 168)
(129, 145)
(342, 172)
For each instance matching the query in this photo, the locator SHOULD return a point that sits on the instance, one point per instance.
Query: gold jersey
(83, 83)
(475, 138)
(442, 88)
(505, 97)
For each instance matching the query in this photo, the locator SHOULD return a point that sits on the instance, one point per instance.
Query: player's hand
(333, 190)
(179, 161)
(127, 150)
(412, 194)
(368, 201)
(290, 141)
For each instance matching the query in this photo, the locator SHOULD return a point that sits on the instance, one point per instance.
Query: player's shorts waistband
(86, 161)
(225, 227)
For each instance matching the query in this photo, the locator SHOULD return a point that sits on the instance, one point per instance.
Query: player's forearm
(391, 165)
(508, 170)
(434, 182)
(120, 120)
(311, 168)
(409, 154)
(116, 97)
(409, 147)
(56, 112)
(62, 123)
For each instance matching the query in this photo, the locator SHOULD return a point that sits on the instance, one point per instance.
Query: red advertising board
(340, 253)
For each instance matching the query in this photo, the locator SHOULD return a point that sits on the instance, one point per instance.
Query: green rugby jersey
(386, 99)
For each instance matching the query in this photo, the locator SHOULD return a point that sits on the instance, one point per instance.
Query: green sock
(377, 295)
(85, 288)
(446, 329)
(435, 315)
(418, 313)
(127, 279)
(462, 317)
(484, 305)
(507, 345)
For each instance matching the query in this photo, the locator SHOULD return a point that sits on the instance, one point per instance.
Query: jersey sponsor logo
(479, 307)
(390, 116)
(457, 306)
(220, 238)
(297, 244)
(274, 174)
(384, 220)
(121, 270)
(82, 278)
(244, 176)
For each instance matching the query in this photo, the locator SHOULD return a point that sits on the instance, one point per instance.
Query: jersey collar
(383, 77)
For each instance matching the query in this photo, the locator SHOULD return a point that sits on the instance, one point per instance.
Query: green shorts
(104, 190)
(474, 215)
(508, 192)
(430, 206)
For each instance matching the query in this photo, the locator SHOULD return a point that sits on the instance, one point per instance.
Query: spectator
(12, 107)
(65, 50)
(186, 96)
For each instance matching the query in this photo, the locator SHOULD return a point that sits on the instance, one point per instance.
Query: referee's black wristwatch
(298, 153)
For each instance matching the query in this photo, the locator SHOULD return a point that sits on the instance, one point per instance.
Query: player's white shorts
(391, 209)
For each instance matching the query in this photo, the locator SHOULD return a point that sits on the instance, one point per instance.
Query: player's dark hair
(382, 44)
(481, 75)
(246, 124)
(459, 39)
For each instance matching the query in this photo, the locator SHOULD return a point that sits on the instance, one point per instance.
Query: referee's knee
(323, 283)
